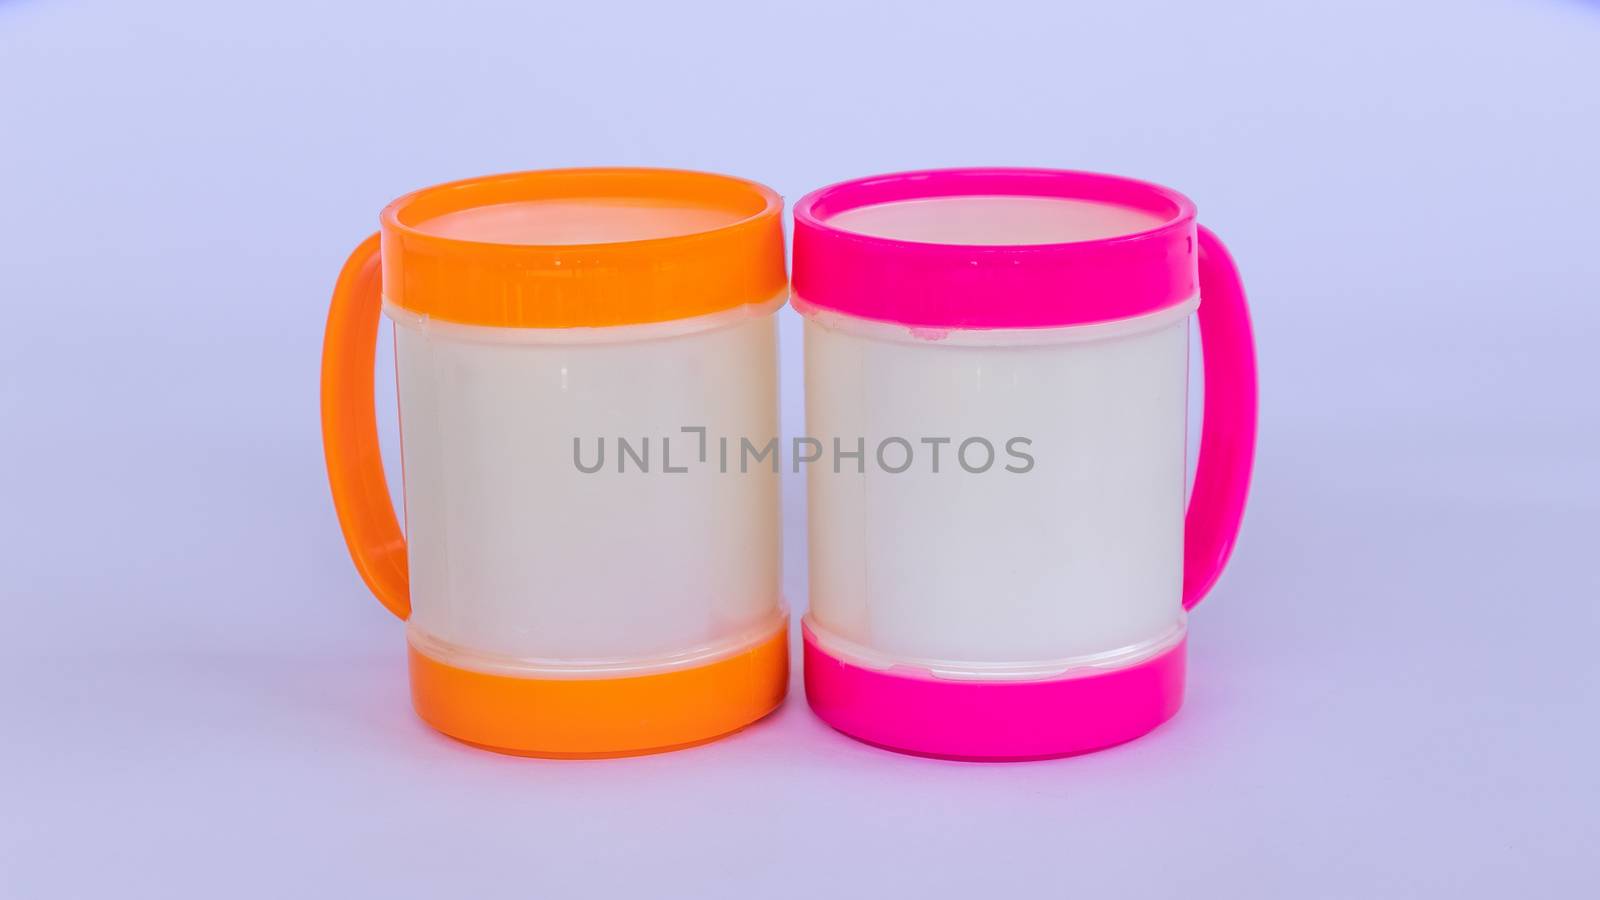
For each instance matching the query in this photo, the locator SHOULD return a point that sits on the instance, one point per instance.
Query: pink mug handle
(1228, 429)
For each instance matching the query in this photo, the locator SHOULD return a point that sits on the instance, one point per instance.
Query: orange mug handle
(350, 431)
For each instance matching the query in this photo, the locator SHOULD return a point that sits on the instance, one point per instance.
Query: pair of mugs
(996, 370)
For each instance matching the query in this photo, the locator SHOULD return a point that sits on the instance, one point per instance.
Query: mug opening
(581, 207)
(995, 208)
(566, 248)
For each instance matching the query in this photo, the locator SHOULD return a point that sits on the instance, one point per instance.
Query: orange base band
(596, 717)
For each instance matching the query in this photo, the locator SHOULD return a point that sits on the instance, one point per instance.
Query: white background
(1394, 690)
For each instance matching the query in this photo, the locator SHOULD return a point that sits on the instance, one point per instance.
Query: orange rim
(508, 285)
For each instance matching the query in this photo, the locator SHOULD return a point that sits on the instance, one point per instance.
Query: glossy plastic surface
(1228, 430)
(517, 553)
(966, 639)
(970, 285)
(557, 610)
(566, 248)
(913, 713)
(350, 432)
(596, 717)
(1077, 557)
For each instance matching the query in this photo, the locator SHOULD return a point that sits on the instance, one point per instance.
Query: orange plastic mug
(576, 579)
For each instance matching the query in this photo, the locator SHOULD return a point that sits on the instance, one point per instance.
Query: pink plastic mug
(996, 385)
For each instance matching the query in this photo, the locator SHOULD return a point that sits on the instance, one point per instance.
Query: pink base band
(994, 720)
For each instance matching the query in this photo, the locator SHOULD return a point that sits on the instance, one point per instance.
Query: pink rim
(994, 720)
(989, 286)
